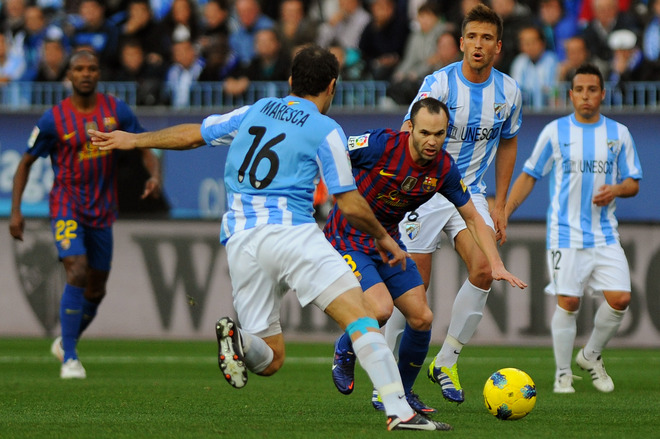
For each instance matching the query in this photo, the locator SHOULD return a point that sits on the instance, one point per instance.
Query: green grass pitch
(159, 389)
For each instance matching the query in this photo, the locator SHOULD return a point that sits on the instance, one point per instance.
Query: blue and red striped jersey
(85, 178)
(393, 184)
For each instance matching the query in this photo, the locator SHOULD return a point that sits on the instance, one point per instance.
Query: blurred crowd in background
(164, 46)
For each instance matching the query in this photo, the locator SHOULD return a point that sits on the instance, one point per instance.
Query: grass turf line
(162, 389)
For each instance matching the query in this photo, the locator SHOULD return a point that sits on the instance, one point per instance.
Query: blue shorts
(74, 239)
(370, 270)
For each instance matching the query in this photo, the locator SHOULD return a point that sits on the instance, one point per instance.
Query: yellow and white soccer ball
(510, 394)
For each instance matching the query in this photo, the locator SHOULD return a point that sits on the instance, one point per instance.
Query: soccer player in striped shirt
(83, 200)
(591, 160)
(396, 172)
(279, 147)
(485, 114)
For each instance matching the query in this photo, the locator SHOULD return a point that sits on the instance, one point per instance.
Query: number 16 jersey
(279, 147)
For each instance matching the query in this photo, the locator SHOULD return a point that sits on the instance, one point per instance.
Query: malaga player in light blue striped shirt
(591, 160)
(485, 114)
(278, 148)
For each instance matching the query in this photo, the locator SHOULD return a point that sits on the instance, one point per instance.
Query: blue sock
(88, 314)
(344, 342)
(412, 354)
(71, 310)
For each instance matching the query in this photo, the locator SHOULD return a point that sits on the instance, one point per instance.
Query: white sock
(394, 331)
(465, 317)
(377, 360)
(449, 352)
(564, 328)
(606, 323)
(258, 355)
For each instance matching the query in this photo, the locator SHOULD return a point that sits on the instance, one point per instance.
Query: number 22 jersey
(85, 187)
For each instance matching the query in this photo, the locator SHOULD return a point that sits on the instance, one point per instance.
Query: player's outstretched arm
(16, 220)
(485, 239)
(184, 136)
(357, 212)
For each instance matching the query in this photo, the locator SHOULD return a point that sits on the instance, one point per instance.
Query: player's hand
(604, 196)
(16, 226)
(388, 246)
(151, 188)
(112, 140)
(501, 273)
(498, 216)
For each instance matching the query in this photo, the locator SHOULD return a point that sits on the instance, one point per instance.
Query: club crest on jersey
(499, 109)
(614, 146)
(412, 229)
(110, 123)
(429, 184)
(91, 125)
(357, 142)
(409, 183)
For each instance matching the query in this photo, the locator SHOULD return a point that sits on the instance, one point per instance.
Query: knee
(481, 275)
(569, 303)
(382, 311)
(95, 295)
(422, 321)
(96, 285)
(76, 274)
(619, 302)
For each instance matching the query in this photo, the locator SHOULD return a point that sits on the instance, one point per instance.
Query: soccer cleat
(417, 422)
(72, 368)
(412, 398)
(564, 384)
(596, 368)
(376, 402)
(230, 353)
(56, 349)
(343, 370)
(447, 377)
(418, 405)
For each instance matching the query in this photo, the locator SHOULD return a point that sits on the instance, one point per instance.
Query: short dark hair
(588, 69)
(82, 53)
(312, 71)
(432, 105)
(483, 14)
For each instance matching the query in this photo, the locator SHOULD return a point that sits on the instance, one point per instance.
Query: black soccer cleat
(230, 353)
(417, 422)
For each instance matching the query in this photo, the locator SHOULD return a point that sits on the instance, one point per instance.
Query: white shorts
(269, 260)
(574, 270)
(423, 234)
